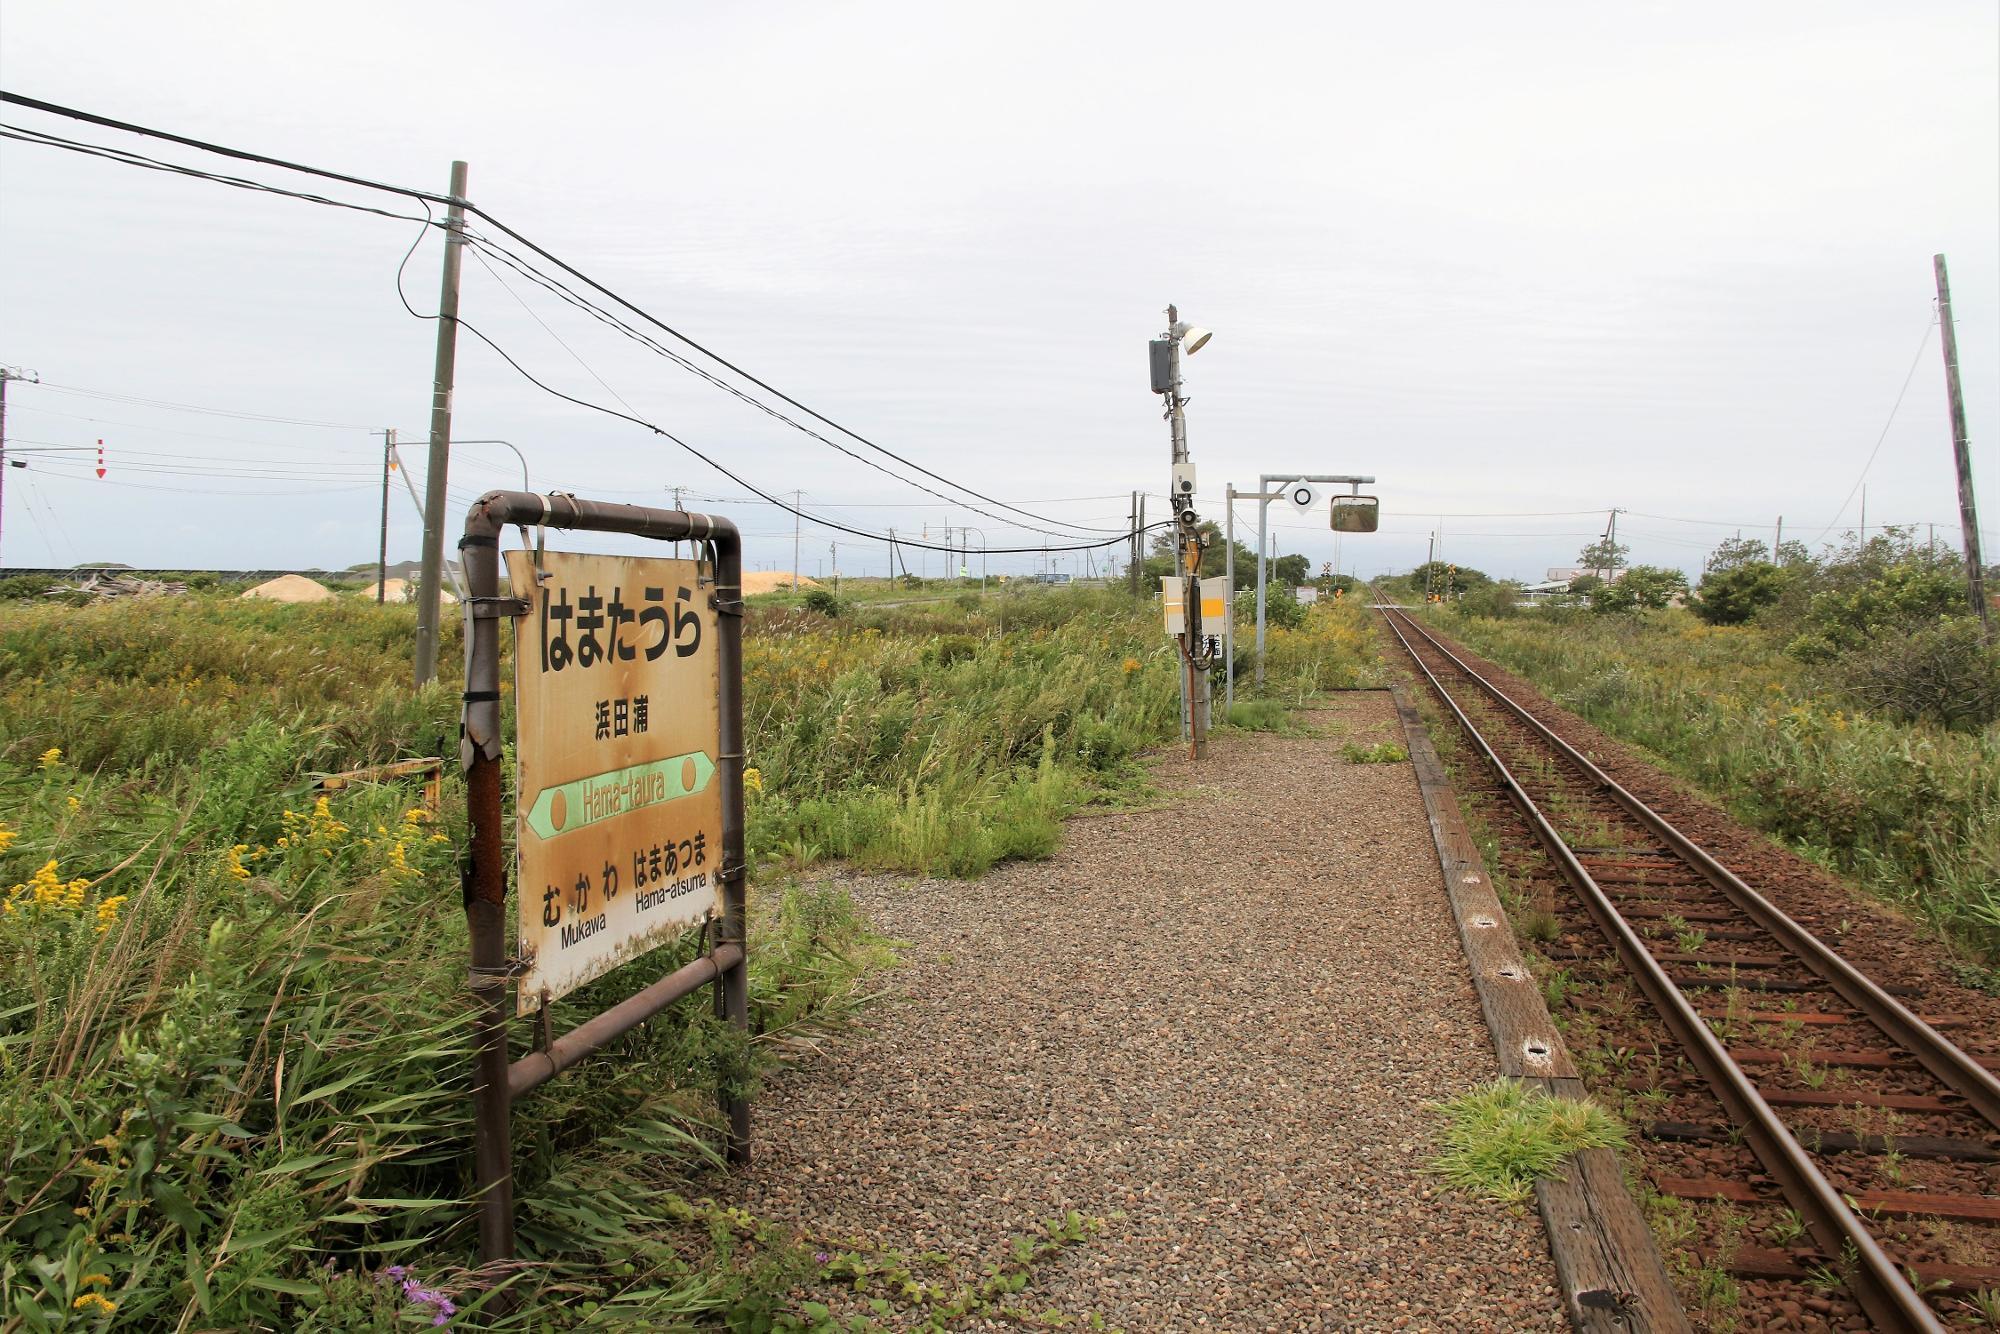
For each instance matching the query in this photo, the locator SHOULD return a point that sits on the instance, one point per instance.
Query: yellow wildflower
(233, 862)
(94, 1301)
(72, 802)
(96, 1280)
(107, 912)
(7, 837)
(1131, 665)
(753, 779)
(52, 757)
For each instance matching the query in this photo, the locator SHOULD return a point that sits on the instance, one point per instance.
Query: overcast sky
(1522, 263)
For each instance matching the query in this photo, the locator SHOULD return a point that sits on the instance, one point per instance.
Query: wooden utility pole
(798, 499)
(430, 595)
(1961, 448)
(382, 553)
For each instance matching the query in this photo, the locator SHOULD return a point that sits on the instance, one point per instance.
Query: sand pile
(393, 590)
(769, 581)
(291, 588)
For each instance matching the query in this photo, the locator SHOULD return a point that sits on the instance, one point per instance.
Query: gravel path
(1214, 1024)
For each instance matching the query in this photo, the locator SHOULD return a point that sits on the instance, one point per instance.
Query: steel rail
(1877, 1284)
(1936, 1053)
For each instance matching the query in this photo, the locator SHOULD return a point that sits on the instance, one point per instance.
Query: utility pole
(678, 492)
(430, 594)
(1229, 582)
(1166, 378)
(382, 553)
(1778, 542)
(7, 375)
(833, 563)
(1864, 514)
(1430, 565)
(1961, 448)
(798, 499)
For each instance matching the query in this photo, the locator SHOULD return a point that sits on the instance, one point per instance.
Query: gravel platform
(1214, 1024)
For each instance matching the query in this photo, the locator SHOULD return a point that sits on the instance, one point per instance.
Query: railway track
(1811, 1101)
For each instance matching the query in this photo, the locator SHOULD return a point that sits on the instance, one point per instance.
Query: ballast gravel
(1216, 1024)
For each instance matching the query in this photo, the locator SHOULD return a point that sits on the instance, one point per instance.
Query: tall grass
(232, 1018)
(1911, 811)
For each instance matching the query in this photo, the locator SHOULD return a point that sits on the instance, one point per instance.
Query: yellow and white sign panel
(618, 810)
(1214, 604)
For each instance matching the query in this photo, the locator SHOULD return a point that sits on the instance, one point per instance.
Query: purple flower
(442, 1317)
(393, 1271)
(821, 1256)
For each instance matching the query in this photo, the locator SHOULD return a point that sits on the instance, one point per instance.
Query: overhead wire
(172, 406)
(429, 197)
(1922, 343)
(740, 480)
(478, 244)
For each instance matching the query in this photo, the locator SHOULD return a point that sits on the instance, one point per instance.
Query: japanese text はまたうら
(596, 628)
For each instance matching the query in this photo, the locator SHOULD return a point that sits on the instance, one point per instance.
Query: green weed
(1503, 1138)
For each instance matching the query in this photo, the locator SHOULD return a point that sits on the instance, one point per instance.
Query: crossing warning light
(100, 458)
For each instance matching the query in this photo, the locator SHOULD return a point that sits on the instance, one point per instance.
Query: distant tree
(1733, 552)
(1291, 571)
(1436, 574)
(1214, 554)
(1653, 586)
(1644, 588)
(1732, 596)
(1901, 600)
(1603, 556)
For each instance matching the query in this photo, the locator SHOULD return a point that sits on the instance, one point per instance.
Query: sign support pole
(1265, 495)
(498, 1082)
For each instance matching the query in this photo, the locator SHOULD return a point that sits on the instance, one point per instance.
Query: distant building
(1534, 595)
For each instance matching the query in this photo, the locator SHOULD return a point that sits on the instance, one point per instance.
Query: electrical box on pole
(1160, 356)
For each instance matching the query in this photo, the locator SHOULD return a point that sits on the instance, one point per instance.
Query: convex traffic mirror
(1356, 514)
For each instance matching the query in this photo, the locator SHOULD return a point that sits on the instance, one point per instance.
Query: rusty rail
(1883, 1292)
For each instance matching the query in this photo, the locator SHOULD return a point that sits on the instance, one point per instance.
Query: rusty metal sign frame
(497, 1081)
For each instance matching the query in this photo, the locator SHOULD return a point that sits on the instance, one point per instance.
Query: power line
(140, 401)
(528, 271)
(1921, 344)
(427, 197)
(135, 159)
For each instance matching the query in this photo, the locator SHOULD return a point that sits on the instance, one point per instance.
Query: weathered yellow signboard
(618, 809)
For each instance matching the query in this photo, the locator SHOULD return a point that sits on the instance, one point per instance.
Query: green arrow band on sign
(588, 801)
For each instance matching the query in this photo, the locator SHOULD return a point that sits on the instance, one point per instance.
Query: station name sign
(618, 810)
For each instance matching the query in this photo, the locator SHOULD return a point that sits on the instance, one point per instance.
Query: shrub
(1943, 673)
(1733, 596)
(821, 601)
(1282, 608)
(1905, 596)
(1498, 599)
